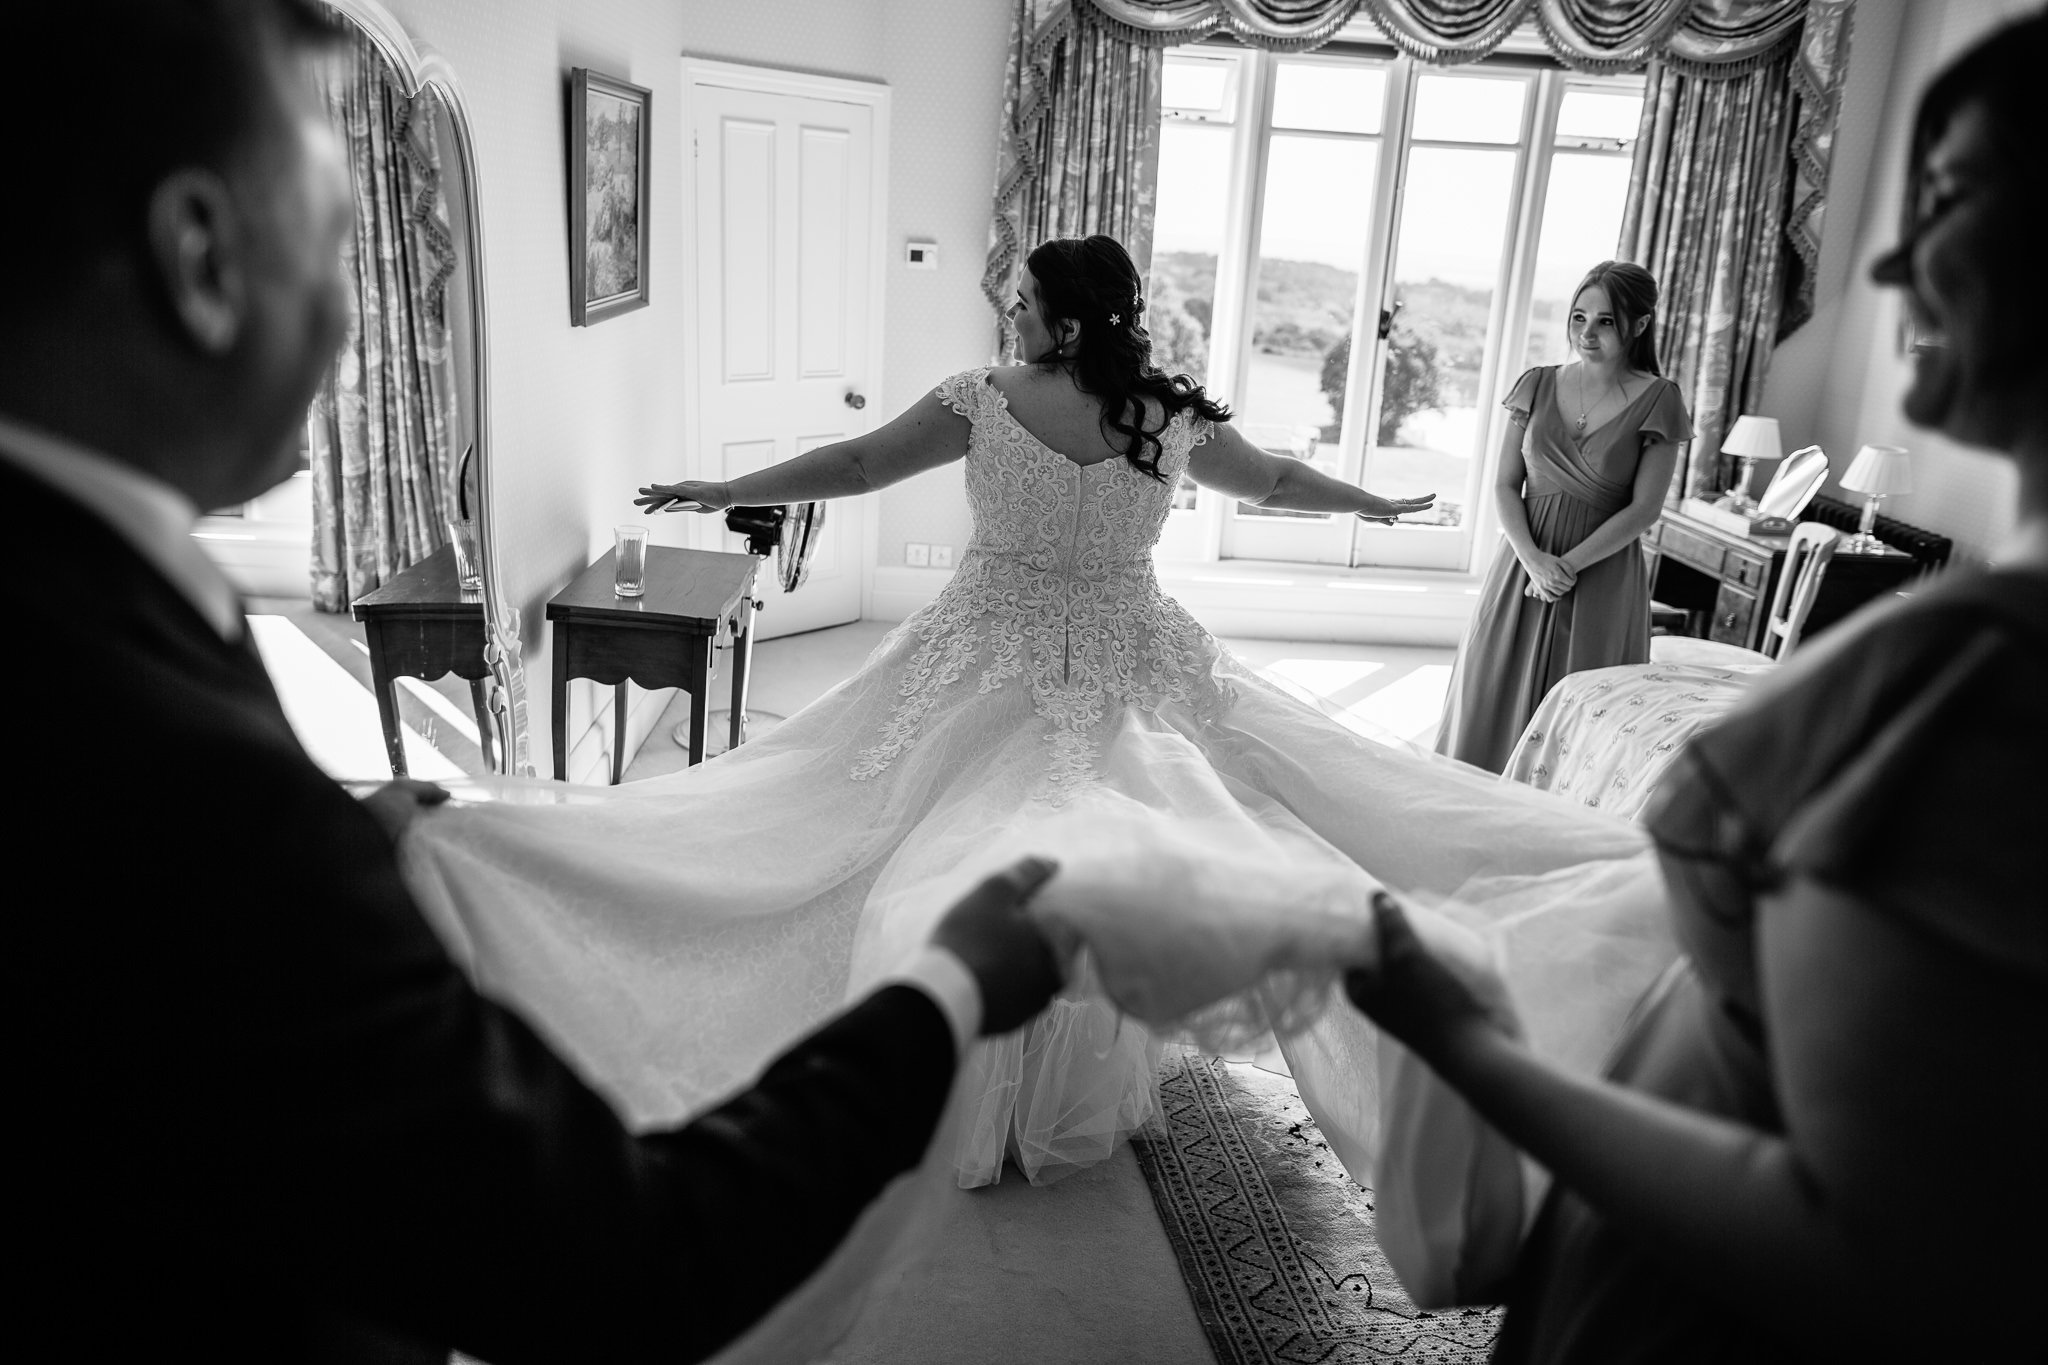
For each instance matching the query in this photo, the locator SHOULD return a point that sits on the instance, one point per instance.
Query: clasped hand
(1386, 510)
(1550, 577)
(696, 495)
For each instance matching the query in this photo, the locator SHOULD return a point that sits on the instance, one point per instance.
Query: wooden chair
(1806, 560)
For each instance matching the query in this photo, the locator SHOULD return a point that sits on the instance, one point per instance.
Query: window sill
(260, 558)
(1263, 600)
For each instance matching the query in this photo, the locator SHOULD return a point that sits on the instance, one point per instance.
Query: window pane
(1180, 294)
(1195, 85)
(1610, 116)
(1315, 220)
(1187, 233)
(1469, 108)
(1581, 223)
(1336, 99)
(1453, 236)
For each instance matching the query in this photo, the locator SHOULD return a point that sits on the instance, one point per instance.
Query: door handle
(1387, 316)
(855, 401)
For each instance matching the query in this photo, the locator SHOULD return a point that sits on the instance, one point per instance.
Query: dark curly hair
(1091, 281)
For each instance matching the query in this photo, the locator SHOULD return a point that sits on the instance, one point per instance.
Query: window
(1358, 253)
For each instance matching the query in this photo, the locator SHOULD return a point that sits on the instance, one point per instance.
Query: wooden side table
(1725, 581)
(662, 638)
(423, 625)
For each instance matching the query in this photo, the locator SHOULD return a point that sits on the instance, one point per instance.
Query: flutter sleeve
(1668, 420)
(965, 393)
(1943, 819)
(1903, 767)
(1521, 399)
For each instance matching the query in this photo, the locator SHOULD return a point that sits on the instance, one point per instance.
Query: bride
(672, 935)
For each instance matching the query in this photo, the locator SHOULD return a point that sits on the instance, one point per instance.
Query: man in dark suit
(259, 1114)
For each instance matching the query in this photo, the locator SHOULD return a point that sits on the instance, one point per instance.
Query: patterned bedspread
(1604, 737)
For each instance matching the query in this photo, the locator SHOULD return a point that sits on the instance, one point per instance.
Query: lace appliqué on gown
(1056, 590)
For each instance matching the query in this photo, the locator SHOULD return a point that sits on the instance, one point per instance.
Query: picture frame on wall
(609, 133)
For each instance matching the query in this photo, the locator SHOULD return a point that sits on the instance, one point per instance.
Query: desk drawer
(1750, 573)
(1734, 613)
(1682, 545)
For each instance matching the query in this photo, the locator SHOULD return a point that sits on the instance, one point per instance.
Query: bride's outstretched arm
(1229, 463)
(1913, 1128)
(924, 436)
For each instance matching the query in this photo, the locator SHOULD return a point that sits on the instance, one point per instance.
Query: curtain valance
(1699, 37)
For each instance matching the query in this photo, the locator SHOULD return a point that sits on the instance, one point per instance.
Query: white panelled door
(785, 356)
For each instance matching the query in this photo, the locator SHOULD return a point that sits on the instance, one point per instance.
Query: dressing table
(1723, 581)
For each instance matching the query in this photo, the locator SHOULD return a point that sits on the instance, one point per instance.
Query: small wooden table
(423, 625)
(663, 638)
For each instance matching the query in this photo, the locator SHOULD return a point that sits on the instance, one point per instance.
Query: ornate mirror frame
(425, 71)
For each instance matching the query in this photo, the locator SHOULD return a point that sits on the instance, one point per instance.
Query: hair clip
(1116, 319)
(1138, 299)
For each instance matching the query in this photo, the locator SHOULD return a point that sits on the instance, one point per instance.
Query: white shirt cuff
(945, 978)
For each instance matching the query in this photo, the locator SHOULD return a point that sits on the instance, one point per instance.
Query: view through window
(1443, 216)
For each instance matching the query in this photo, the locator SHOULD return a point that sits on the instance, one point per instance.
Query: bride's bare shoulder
(1012, 378)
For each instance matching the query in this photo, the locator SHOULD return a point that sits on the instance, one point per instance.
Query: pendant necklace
(1584, 407)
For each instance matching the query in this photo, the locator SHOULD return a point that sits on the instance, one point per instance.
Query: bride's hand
(702, 495)
(1416, 996)
(1385, 510)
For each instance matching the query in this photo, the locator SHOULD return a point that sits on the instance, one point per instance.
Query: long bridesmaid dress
(1519, 646)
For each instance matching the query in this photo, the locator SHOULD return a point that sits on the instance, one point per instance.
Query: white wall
(581, 416)
(1839, 379)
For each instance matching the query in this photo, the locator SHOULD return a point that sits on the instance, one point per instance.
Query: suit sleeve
(442, 1170)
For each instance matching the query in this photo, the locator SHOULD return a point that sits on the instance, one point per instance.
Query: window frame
(1204, 534)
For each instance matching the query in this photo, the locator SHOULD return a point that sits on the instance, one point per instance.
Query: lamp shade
(1882, 470)
(1753, 438)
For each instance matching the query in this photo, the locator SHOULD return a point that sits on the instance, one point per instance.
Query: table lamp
(1749, 440)
(1876, 473)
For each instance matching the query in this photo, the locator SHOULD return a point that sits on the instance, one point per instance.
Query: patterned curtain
(1818, 70)
(1731, 171)
(380, 434)
(1709, 186)
(1080, 151)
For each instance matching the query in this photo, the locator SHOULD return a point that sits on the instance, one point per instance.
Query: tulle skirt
(672, 935)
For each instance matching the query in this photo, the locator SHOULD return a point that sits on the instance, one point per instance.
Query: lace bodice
(1055, 591)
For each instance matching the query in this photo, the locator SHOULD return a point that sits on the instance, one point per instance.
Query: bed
(1605, 737)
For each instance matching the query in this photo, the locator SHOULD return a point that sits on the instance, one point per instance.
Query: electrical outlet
(916, 555)
(942, 556)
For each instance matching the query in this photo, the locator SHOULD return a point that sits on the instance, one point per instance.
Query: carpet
(1275, 1240)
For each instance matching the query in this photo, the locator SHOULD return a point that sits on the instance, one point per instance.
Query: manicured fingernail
(1382, 901)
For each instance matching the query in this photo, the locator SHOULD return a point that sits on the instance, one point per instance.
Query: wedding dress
(673, 934)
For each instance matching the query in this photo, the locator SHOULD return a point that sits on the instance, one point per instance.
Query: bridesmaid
(1588, 456)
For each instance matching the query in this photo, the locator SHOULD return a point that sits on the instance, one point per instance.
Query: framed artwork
(608, 196)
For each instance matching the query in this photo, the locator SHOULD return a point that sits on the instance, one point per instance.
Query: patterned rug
(1275, 1240)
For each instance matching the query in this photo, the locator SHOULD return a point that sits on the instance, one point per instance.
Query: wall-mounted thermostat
(921, 255)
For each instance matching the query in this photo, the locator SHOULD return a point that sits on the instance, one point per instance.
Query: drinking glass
(629, 572)
(468, 564)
